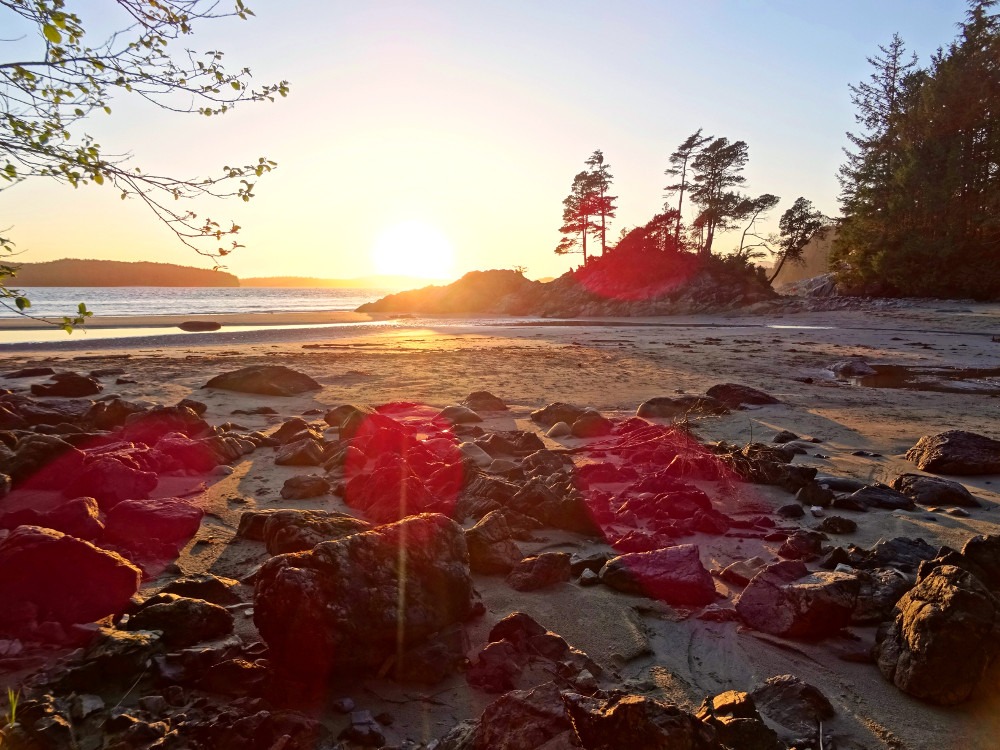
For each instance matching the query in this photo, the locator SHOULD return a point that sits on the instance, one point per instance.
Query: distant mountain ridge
(84, 273)
(359, 282)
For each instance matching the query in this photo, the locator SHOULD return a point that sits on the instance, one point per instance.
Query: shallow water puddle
(974, 380)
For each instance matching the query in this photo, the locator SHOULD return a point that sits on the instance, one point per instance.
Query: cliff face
(71, 272)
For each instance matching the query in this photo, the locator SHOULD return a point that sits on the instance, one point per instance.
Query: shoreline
(227, 319)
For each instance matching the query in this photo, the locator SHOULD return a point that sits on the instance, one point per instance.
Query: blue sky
(473, 117)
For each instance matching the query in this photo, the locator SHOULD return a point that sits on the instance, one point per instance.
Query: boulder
(41, 462)
(338, 415)
(540, 571)
(183, 621)
(733, 715)
(591, 424)
(111, 479)
(945, 634)
(802, 545)
(458, 415)
(880, 496)
(517, 720)
(735, 396)
(68, 385)
(49, 576)
(484, 401)
(741, 572)
(300, 530)
(211, 588)
(956, 452)
(157, 524)
(838, 525)
(900, 552)
(674, 575)
(358, 600)
(557, 412)
(491, 545)
(78, 516)
(111, 414)
(666, 407)
(305, 452)
(30, 372)
(152, 424)
(305, 486)
(266, 380)
(786, 599)
(792, 703)
(934, 490)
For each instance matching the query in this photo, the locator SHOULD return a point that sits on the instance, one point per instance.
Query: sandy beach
(611, 366)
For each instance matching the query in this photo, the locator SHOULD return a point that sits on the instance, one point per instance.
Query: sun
(413, 248)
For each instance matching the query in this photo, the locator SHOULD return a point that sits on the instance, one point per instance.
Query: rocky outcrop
(956, 452)
(736, 396)
(348, 605)
(300, 530)
(934, 491)
(491, 544)
(674, 575)
(266, 380)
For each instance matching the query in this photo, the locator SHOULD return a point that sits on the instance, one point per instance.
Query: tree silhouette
(680, 161)
(604, 204)
(717, 168)
(579, 209)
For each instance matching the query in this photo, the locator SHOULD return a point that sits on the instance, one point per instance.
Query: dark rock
(301, 530)
(557, 412)
(786, 599)
(934, 491)
(674, 575)
(838, 525)
(349, 601)
(156, 524)
(78, 516)
(665, 407)
(945, 635)
(266, 380)
(211, 588)
(880, 590)
(49, 576)
(484, 401)
(591, 424)
(68, 385)
(111, 414)
(199, 326)
(956, 452)
(792, 510)
(305, 486)
(635, 721)
(110, 479)
(901, 552)
(518, 720)
(295, 429)
(984, 553)
(540, 571)
(741, 572)
(234, 677)
(880, 496)
(561, 507)
(784, 437)
(183, 621)
(198, 407)
(30, 372)
(802, 544)
(497, 666)
(457, 415)
(734, 396)
(733, 715)
(256, 410)
(814, 493)
(434, 660)
(306, 452)
(491, 545)
(151, 425)
(792, 703)
(592, 561)
(41, 462)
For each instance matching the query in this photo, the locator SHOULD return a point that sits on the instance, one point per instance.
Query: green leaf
(23, 303)
(52, 33)
(235, 85)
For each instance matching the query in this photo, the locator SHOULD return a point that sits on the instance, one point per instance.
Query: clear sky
(465, 122)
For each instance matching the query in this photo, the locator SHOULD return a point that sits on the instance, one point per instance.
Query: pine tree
(680, 161)
(579, 209)
(717, 168)
(604, 204)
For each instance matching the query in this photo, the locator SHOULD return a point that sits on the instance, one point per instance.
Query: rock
(78, 516)
(458, 415)
(356, 600)
(68, 385)
(900, 552)
(150, 426)
(559, 430)
(557, 412)
(518, 720)
(880, 496)
(735, 396)
(266, 380)
(111, 414)
(437, 658)
(41, 462)
(665, 407)
(791, 510)
(984, 552)
(300, 530)
(306, 452)
(740, 572)
(305, 486)
(851, 368)
(484, 401)
(786, 599)
(30, 372)
(476, 455)
(156, 524)
(880, 590)
(784, 437)
(183, 621)
(674, 575)
(48, 576)
(956, 452)
(113, 658)
(802, 545)
(111, 478)
(491, 545)
(211, 588)
(338, 415)
(934, 491)
(635, 721)
(945, 634)
(540, 571)
(792, 703)
(733, 715)
(838, 525)
(591, 425)
(199, 326)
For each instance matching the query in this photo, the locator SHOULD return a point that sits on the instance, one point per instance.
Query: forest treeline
(920, 188)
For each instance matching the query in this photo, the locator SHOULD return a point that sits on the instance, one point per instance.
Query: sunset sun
(413, 248)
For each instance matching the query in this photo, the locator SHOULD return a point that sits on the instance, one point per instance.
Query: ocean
(111, 301)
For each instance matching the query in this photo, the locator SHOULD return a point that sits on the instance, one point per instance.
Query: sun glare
(413, 248)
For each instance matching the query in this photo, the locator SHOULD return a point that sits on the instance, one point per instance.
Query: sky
(461, 125)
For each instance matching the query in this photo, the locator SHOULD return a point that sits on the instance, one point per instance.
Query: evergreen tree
(579, 210)
(604, 204)
(797, 225)
(717, 168)
(680, 162)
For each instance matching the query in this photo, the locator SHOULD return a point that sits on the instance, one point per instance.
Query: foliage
(797, 226)
(60, 77)
(678, 169)
(717, 169)
(587, 201)
(921, 192)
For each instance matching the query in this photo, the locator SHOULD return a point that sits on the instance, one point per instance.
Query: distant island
(86, 273)
(70, 272)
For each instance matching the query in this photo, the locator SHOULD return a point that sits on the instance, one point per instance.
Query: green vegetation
(921, 186)
(587, 201)
(47, 94)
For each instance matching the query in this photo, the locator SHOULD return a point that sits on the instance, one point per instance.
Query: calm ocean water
(108, 301)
